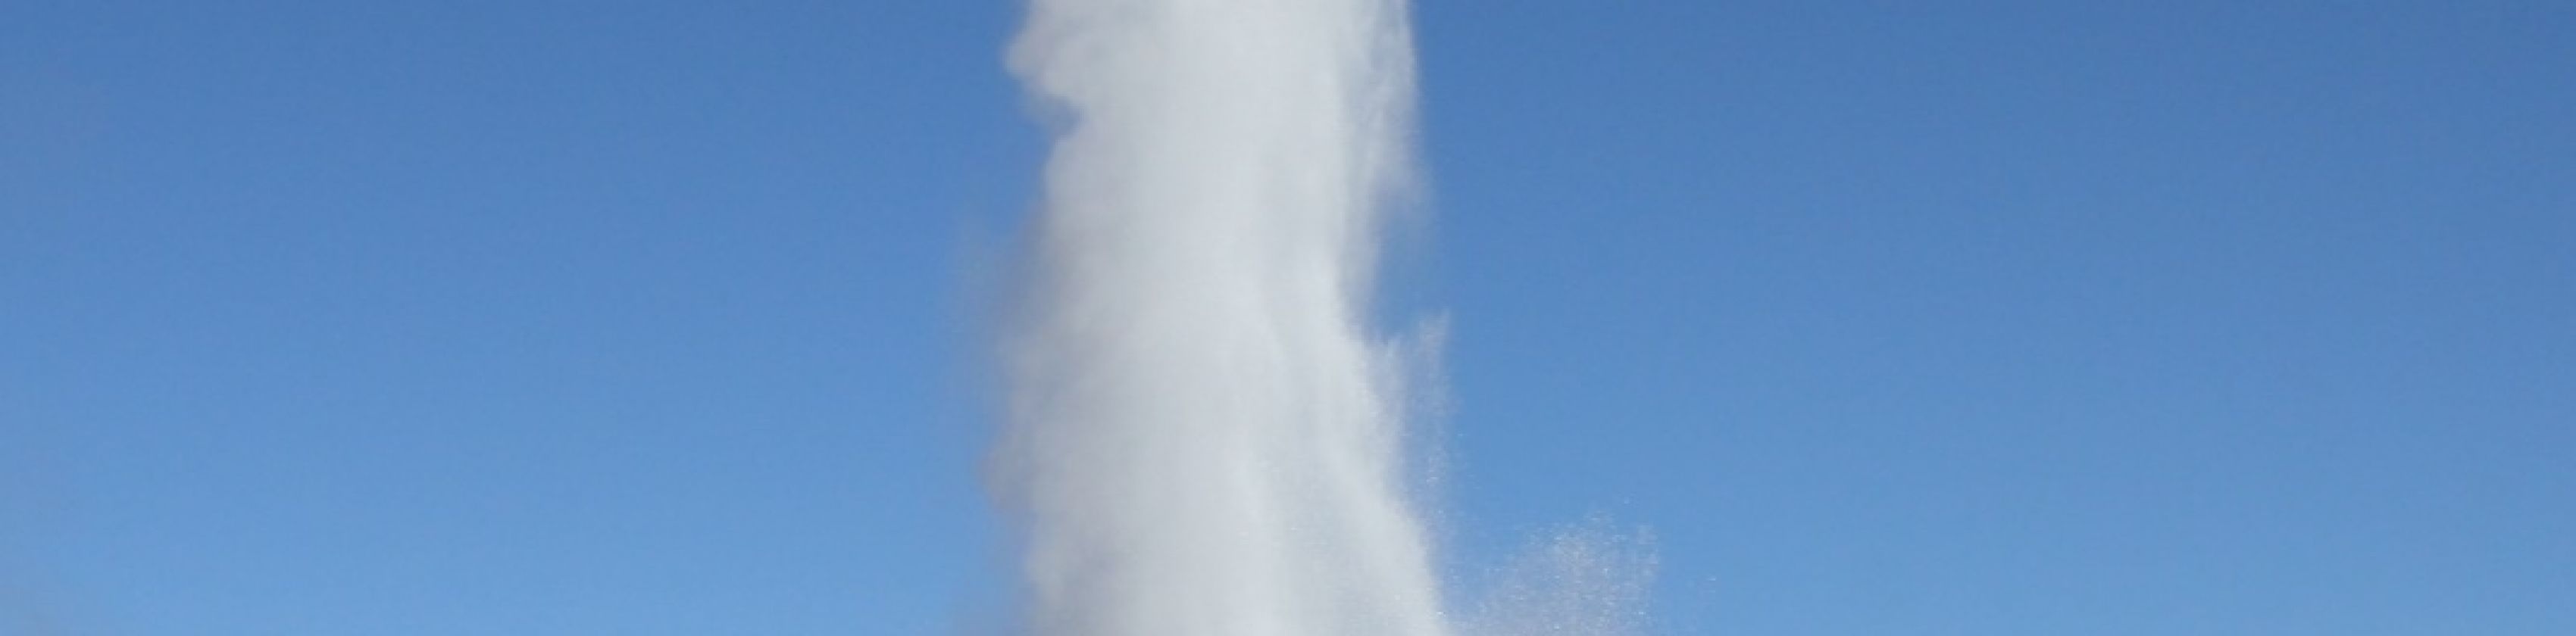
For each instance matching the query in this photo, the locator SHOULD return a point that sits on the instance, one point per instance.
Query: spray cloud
(1203, 438)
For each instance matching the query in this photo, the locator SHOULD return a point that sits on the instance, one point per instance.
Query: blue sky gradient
(664, 318)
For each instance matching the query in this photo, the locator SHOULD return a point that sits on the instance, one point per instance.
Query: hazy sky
(658, 318)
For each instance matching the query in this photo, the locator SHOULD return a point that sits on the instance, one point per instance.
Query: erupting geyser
(1204, 438)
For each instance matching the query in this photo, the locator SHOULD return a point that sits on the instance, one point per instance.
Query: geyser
(1204, 438)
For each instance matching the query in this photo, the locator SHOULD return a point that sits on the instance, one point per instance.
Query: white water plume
(1204, 439)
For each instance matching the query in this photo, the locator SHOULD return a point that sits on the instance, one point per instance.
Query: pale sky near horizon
(1985, 318)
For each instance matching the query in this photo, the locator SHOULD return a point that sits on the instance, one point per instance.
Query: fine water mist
(1204, 437)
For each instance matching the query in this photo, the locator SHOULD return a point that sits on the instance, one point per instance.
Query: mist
(1204, 435)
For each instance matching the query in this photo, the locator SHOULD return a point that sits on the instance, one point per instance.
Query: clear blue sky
(659, 318)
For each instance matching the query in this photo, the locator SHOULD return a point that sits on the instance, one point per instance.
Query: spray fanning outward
(1203, 440)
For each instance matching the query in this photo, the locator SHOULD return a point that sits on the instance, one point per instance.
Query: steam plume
(1203, 438)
